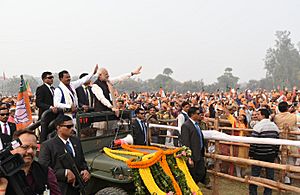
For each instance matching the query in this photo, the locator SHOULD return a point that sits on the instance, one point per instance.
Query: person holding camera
(64, 143)
(33, 178)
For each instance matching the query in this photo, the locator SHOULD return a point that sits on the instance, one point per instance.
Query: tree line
(282, 65)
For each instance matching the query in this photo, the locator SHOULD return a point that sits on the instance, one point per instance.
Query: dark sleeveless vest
(186, 117)
(97, 104)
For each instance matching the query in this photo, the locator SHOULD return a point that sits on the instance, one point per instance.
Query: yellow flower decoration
(148, 180)
(190, 182)
(148, 160)
(112, 153)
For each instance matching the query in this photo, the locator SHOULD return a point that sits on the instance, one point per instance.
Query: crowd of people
(264, 111)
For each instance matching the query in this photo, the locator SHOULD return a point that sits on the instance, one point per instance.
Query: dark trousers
(45, 130)
(198, 172)
(255, 171)
(67, 189)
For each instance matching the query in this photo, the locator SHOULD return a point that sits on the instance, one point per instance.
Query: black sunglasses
(4, 114)
(68, 126)
(50, 77)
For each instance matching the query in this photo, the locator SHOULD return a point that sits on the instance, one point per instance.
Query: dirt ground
(228, 187)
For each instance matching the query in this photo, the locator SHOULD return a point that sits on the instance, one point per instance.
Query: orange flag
(23, 116)
(161, 92)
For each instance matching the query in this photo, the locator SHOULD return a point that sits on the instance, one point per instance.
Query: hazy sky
(197, 39)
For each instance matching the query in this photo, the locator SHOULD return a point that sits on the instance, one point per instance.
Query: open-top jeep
(108, 176)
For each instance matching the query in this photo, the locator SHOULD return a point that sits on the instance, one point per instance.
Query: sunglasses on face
(4, 114)
(142, 113)
(49, 77)
(68, 126)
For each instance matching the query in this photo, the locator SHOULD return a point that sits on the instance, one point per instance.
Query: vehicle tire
(111, 191)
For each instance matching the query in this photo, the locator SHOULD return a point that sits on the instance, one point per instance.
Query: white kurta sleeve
(57, 98)
(81, 81)
(98, 92)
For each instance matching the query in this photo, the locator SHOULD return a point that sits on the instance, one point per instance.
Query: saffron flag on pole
(28, 89)
(23, 116)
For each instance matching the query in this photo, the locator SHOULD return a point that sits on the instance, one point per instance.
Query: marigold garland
(149, 181)
(191, 183)
(150, 159)
(112, 153)
(132, 148)
(140, 188)
(166, 168)
(155, 157)
(179, 175)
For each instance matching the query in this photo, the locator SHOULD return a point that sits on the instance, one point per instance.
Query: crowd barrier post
(284, 153)
(217, 161)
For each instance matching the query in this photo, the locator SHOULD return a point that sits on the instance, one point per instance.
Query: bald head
(103, 74)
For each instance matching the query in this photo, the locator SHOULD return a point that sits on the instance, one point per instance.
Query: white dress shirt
(7, 127)
(65, 142)
(181, 120)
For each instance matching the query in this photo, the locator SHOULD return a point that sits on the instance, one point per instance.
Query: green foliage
(168, 71)
(10, 87)
(227, 80)
(153, 85)
(140, 188)
(283, 62)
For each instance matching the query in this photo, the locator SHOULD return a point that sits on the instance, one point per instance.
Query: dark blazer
(7, 139)
(49, 156)
(138, 134)
(190, 138)
(82, 97)
(44, 98)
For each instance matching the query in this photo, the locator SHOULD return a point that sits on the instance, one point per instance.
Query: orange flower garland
(145, 163)
(159, 156)
(190, 181)
(166, 168)
(163, 161)
(132, 148)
